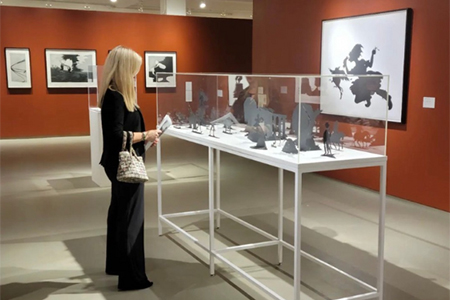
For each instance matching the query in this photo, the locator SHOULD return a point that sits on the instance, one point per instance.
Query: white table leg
(158, 164)
(381, 231)
(280, 215)
(218, 188)
(297, 235)
(211, 210)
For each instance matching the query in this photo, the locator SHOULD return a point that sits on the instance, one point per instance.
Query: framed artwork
(362, 46)
(18, 68)
(236, 84)
(70, 68)
(160, 62)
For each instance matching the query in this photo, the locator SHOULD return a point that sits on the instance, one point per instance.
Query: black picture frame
(18, 68)
(383, 41)
(160, 62)
(69, 68)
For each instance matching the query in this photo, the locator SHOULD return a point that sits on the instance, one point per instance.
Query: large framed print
(160, 62)
(237, 84)
(18, 68)
(70, 68)
(375, 44)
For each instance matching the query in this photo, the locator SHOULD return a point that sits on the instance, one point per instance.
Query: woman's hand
(152, 136)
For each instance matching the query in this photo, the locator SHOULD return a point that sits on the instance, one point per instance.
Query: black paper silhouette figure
(361, 65)
(212, 130)
(336, 138)
(194, 121)
(261, 143)
(227, 126)
(257, 134)
(306, 88)
(326, 141)
(289, 147)
(362, 139)
(227, 120)
(202, 106)
(308, 121)
(364, 87)
(254, 133)
(239, 86)
(337, 80)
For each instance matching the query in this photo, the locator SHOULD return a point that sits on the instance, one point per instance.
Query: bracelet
(144, 136)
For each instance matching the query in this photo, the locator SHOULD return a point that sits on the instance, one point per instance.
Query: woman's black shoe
(136, 287)
(113, 273)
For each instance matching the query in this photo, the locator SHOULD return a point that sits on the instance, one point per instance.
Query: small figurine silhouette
(261, 143)
(212, 130)
(326, 141)
(180, 119)
(289, 147)
(337, 137)
(227, 126)
(227, 120)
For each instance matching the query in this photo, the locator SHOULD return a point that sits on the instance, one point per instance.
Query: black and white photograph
(18, 68)
(236, 85)
(369, 55)
(70, 68)
(164, 63)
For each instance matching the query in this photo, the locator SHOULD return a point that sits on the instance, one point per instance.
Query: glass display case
(294, 119)
(296, 123)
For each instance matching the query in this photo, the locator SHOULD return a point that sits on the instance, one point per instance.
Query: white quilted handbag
(131, 166)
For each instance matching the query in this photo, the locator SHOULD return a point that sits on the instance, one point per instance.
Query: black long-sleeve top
(115, 120)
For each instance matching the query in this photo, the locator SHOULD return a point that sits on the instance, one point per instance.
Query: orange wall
(286, 39)
(202, 45)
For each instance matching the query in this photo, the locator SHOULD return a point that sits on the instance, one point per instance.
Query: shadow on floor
(72, 183)
(179, 272)
(399, 284)
(176, 272)
(31, 291)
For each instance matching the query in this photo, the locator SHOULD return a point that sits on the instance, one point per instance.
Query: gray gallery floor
(53, 221)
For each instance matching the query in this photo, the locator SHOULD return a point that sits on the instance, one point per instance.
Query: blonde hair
(121, 65)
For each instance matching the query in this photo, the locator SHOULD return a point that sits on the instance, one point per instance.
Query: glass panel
(280, 119)
(96, 72)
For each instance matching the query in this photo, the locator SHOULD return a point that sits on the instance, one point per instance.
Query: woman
(120, 112)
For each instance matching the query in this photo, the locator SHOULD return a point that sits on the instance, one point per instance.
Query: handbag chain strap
(124, 143)
(130, 135)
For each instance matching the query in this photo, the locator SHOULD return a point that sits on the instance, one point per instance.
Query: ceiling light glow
(113, 1)
(202, 5)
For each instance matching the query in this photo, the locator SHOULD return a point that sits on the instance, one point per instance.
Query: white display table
(310, 161)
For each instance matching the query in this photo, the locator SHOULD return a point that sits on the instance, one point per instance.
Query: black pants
(125, 234)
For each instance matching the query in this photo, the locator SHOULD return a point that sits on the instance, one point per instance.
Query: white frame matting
(68, 72)
(18, 68)
(160, 62)
(215, 146)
